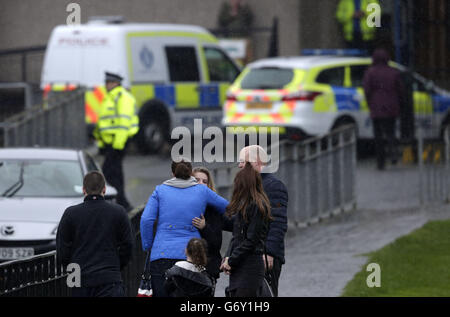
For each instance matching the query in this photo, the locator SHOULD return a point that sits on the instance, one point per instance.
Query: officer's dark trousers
(385, 140)
(112, 170)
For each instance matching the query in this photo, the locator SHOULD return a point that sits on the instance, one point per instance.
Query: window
(357, 73)
(182, 61)
(90, 163)
(267, 78)
(38, 178)
(220, 67)
(332, 76)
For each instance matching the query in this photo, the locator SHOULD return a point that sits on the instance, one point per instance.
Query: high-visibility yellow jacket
(344, 14)
(118, 119)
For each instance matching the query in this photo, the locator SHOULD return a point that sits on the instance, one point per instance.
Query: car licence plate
(259, 105)
(15, 253)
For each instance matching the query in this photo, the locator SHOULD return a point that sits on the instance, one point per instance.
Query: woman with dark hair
(210, 226)
(173, 205)
(250, 209)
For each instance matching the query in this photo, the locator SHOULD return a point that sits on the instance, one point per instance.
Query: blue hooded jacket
(173, 205)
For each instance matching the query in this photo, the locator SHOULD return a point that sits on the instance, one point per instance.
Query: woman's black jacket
(248, 236)
(212, 233)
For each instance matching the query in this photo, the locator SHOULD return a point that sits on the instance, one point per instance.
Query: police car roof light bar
(334, 52)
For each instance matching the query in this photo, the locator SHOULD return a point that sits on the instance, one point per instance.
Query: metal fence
(22, 64)
(61, 123)
(433, 156)
(319, 173)
(40, 275)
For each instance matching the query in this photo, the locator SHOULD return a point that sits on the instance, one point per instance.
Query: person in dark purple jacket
(384, 91)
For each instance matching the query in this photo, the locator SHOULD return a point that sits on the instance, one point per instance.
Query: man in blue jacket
(278, 196)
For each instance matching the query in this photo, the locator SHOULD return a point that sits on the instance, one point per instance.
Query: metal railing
(433, 156)
(61, 123)
(27, 60)
(320, 176)
(40, 275)
(319, 173)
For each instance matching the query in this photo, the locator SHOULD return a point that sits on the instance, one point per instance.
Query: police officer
(118, 121)
(353, 14)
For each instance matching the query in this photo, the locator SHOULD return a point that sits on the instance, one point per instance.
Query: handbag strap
(146, 272)
(269, 271)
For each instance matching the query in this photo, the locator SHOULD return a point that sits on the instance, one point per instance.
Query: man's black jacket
(96, 235)
(278, 196)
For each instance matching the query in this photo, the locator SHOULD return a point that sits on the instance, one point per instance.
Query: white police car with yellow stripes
(311, 95)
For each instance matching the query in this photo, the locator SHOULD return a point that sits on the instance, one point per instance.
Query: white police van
(175, 72)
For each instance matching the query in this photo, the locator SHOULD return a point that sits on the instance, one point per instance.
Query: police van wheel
(153, 131)
(153, 136)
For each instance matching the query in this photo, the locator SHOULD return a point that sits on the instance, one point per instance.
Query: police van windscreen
(267, 78)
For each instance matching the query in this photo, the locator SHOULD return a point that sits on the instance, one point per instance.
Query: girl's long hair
(197, 249)
(248, 188)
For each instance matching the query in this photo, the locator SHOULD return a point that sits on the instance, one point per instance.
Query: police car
(311, 95)
(175, 72)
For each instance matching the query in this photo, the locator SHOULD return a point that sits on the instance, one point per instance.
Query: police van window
(267, 78)
(220, 67)
(357, 73)
(332, 76)
(182, 61)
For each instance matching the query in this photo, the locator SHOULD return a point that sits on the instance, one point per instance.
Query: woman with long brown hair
(250, 209)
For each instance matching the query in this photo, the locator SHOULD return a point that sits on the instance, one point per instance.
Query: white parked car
(36, 186)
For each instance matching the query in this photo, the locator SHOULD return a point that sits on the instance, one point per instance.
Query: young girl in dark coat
(189, 278)
(250, 209)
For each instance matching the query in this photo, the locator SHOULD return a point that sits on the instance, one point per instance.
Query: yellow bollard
(407, 156)
(437, 156)
(426, 153)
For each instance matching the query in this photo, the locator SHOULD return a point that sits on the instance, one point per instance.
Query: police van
(175, 72)
(311, 95)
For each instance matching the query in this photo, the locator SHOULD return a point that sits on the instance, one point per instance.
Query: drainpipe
(398, 31)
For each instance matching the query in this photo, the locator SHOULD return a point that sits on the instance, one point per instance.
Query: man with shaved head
(278, 196)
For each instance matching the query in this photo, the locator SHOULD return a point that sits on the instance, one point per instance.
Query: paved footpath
(323, 258)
